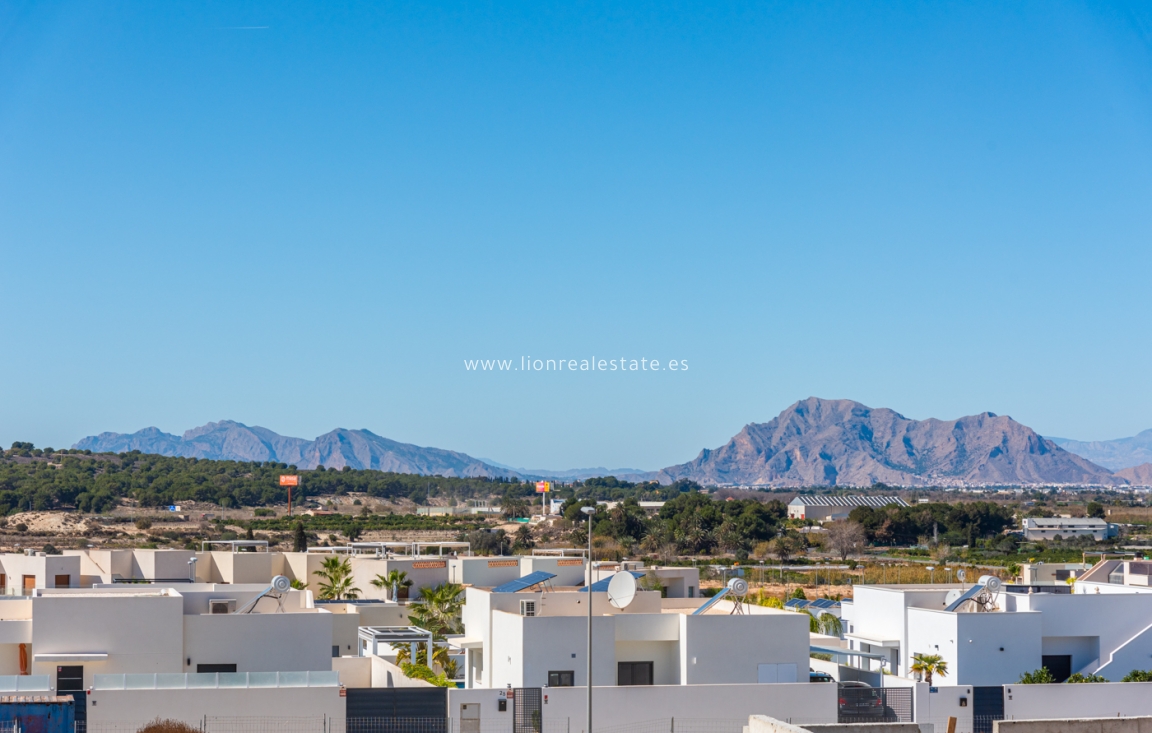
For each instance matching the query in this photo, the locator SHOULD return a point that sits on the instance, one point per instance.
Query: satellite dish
(952, 596)
(622, 589)
(281, 584)
(991, 582)
(738, 586)
(960, 575)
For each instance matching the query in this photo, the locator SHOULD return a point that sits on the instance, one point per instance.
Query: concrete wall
(1078, 725)
(139, 633)
(1102, 700)
(569, 571)
(264, 642)
(290, 704)
(620, 706)
(44, 568)
(485, 572)
(728, 649)
(354, 671)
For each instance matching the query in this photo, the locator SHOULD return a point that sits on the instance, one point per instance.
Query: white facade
(1048, 528)
(1103, 629)
(826, 508)
(506, 647)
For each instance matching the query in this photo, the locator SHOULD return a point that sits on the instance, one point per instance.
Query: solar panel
(797, 603)
(524, 583)
(825, 603)
(601, 586)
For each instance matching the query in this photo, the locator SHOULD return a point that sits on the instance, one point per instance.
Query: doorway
(1060, 665)
(70, 681)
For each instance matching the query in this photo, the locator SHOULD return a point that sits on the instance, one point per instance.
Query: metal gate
(874, 705)
(987, 707)
(396, 710)
(527, 710)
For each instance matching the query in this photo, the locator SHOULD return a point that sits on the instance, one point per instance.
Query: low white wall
(190, 706)
(798, 703)
(1099, 700)
(1083, 725)
(765, 724)
(935, 708)
(386, 674)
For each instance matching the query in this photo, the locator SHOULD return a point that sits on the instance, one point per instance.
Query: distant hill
(232, 441)
(819, 442)
(1113, 454)
(1137, 475)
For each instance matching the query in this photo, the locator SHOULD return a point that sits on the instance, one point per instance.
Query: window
(561, 679)
(210, 668)
(335, 650)
(691, 591)
(634, 673)
(527, 608)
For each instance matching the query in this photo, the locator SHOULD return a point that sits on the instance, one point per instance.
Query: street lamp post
(588, 512)
(931, 574)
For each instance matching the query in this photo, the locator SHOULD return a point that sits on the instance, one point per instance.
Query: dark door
(987, 707)
(70, 681)
(1060, 665)
(634, 673)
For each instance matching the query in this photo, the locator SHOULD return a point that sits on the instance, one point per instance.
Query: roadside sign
(543, 487)
(289, 480)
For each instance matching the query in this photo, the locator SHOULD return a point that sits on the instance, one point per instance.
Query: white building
(1049, 528)
(536, 638)
(1100, 627)
(827, 508)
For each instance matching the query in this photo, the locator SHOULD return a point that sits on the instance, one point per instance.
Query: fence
(322, 724)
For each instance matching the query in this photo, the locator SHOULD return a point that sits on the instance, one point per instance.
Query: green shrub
(1138, 675)
(422, 672)
(1086, 678)
(1037, 677)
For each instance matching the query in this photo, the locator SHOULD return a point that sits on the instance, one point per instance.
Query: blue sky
(308, 217)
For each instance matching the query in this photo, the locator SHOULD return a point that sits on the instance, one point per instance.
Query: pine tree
(299, 539)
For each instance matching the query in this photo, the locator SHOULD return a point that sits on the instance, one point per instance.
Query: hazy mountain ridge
(825, 442)
(1137, 475)
(230, 440)
(1112, 454)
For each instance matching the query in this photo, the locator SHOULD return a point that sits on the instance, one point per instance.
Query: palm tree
(393, 581)
(336, 580)
(928, 665)
(825, 623)
(439, 610)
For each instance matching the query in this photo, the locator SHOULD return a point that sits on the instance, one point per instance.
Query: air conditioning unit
(221, 606)
(527, 608)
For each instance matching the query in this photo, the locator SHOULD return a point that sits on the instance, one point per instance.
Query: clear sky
(305, 216)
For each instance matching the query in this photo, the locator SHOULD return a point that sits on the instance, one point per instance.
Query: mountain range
(1113, 454)
(228, 440)
(818, 442)
(814, 442)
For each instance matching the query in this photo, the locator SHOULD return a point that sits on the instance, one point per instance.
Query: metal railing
(324, 724)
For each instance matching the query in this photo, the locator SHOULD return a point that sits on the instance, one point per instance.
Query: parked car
(814, 676)
(861, 700)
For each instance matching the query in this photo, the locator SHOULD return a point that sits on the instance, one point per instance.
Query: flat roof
(234, 544)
